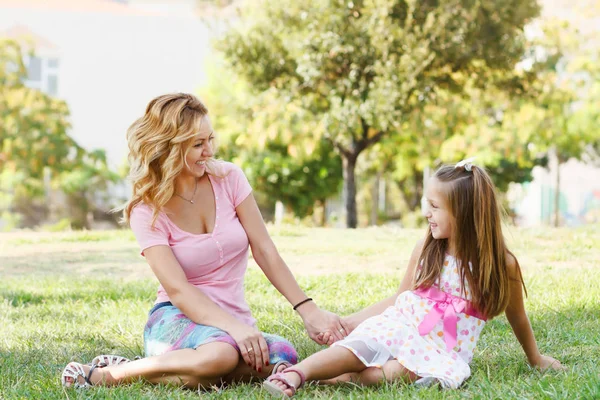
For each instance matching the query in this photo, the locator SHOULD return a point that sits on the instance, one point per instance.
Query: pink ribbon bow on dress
(446, 308)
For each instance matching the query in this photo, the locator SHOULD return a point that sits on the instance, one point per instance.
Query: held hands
(319, 323)
(252, 344)
(327, 337)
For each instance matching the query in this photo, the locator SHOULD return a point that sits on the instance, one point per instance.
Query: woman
(194, 218)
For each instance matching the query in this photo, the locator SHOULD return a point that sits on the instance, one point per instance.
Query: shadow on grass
(45, 292)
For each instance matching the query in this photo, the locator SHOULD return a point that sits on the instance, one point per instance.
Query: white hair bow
(466, 163)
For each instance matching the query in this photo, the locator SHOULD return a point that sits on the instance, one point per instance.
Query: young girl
(459, 276)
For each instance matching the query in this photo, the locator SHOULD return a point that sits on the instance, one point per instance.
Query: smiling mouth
(201, 163)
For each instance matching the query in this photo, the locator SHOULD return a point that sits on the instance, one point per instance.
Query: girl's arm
(515, 313)
(201, 309)
(355, 319)
(277, 272)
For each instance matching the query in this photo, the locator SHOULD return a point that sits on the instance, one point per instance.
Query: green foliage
(361, 68)
(565, 86)
(298, 182)
(510, 125)
(35, 147)
(33, 126)
(275, 143)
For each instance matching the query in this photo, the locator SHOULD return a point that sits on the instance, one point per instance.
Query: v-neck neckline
(216, 219)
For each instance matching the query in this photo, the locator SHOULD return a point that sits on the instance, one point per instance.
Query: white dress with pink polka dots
(394, 334)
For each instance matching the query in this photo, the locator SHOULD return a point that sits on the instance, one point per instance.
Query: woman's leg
(280, 351)
(326, 364)
(203, 367)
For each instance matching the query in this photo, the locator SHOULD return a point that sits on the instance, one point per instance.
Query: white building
(107, 59)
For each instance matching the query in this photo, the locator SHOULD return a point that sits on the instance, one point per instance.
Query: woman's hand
(317, 321)
(252, 344)
(546, 362)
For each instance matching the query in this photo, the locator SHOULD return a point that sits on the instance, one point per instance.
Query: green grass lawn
(72, 296)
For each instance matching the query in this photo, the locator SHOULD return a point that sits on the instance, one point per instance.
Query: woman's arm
(355, 319)
(200, 308)
(277, 272)
(515, 313)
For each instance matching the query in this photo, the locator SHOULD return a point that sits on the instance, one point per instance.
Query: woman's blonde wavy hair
(158, 144)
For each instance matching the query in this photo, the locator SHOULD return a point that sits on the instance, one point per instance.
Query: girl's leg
(203, 367)
(244, 373)
(326, 364)
(391, 371)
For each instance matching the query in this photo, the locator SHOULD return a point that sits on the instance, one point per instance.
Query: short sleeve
(239, 186)
(146, 235)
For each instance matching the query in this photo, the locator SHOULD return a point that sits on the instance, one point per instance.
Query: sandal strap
(281, 378)
(74, 370)
(279, 364)
(109, 359)
(299, 373)
(89, 375)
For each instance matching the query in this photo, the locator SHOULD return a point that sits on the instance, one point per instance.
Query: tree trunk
(557, 193)
(418, 192)
(349, 163)
(323, 220)
(349, 157)
(79, 209)
(375, 200)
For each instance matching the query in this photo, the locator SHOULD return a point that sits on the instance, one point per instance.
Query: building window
(53, 63)
(42, 74)
(52, 87)
(34, 69)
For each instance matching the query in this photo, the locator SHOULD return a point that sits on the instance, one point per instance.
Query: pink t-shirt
(213, 262)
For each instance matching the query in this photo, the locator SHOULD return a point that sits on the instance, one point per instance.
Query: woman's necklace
(191, 201)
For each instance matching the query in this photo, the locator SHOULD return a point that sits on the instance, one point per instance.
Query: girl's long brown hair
(477, 238)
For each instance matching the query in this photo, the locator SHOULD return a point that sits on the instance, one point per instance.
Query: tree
(284, 162)
(83, 183)
(36, 147)
(297, 179)
(361, 67)
(33, 126)
(564, 91)
(479, 121)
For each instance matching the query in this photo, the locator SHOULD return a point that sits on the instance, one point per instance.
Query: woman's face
(201, 149)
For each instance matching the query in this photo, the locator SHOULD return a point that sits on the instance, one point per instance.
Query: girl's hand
(327, 337)
(546, 362)
(319, 321)
(252, 344)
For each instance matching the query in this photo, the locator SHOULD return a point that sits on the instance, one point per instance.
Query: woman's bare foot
(97, 375)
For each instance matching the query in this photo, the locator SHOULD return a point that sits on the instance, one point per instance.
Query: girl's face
(201, 150)
(438, 212)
